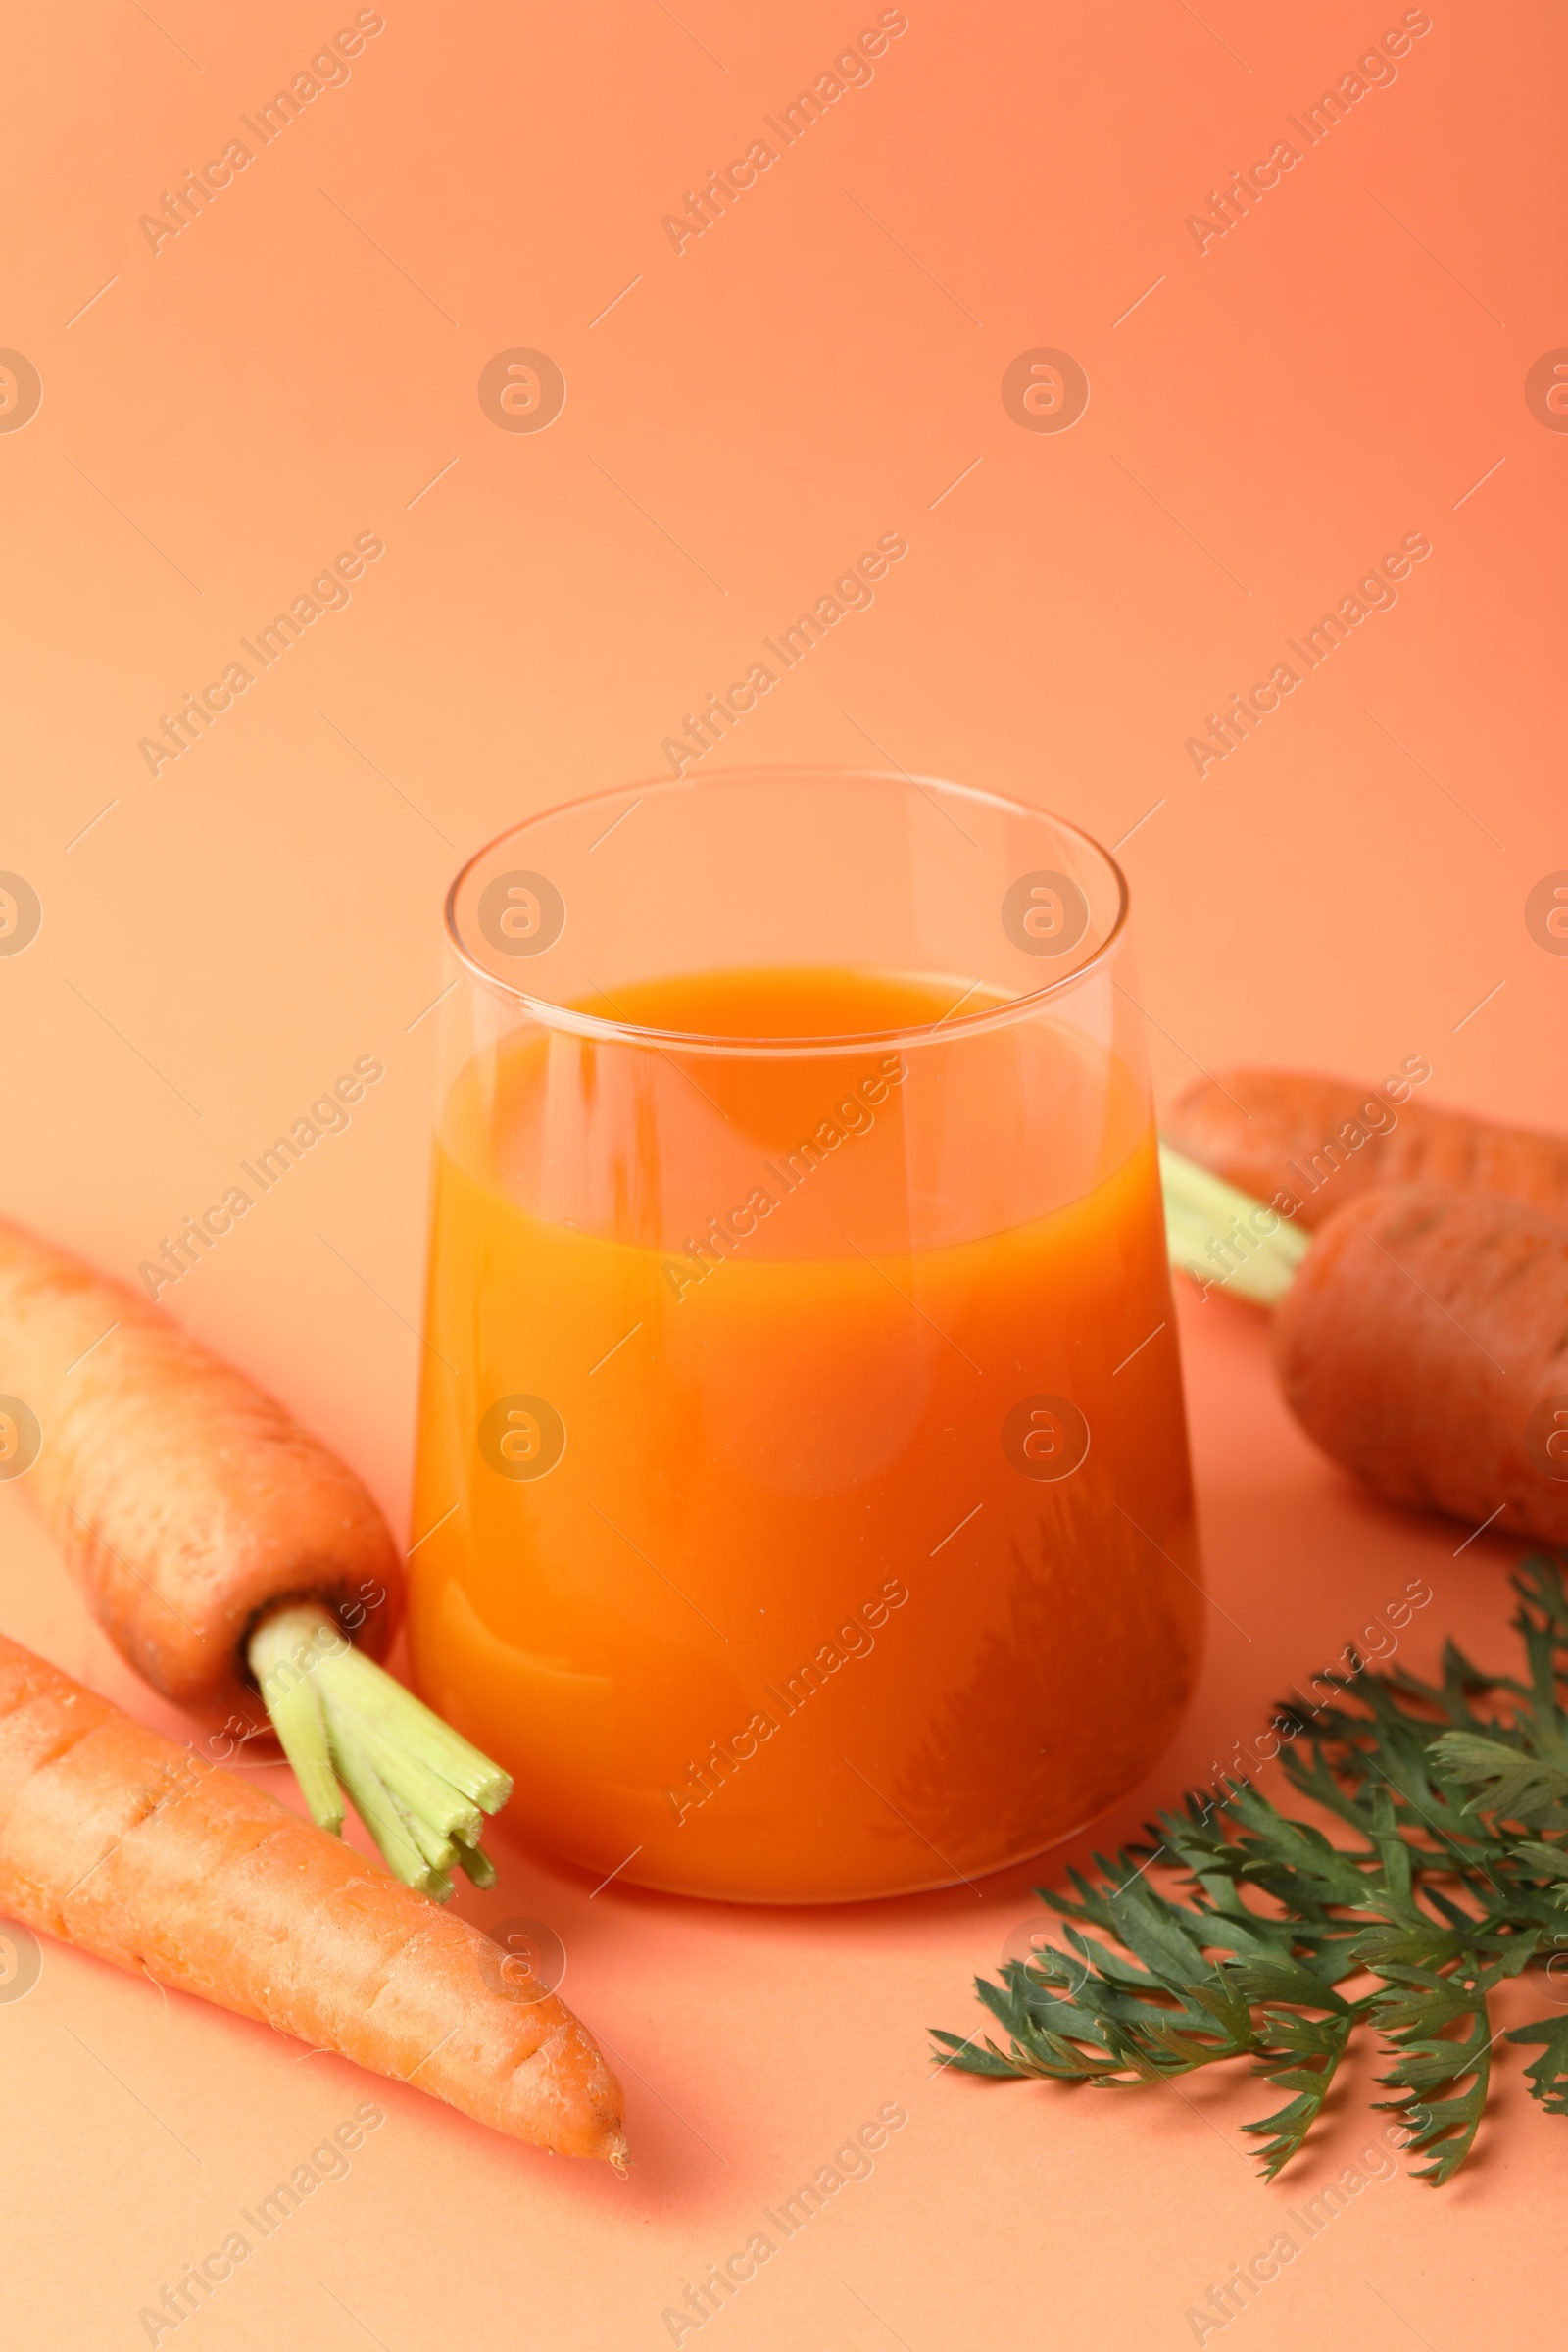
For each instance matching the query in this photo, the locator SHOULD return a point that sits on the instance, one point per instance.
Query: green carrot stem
(425, 1793)
(418, 1786)
(294, 1704)
(1224, 1237)
(439, 1853)
(479, 1867)
(394, 1710)
(381, 1816)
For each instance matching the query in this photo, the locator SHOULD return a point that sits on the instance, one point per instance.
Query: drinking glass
(803, 1508)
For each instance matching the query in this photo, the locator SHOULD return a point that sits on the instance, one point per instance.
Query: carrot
(126, 1847)
(1307, 1143)
(1421, 1335)
(1424, 1344)
(182, 1496)
(222, 1548)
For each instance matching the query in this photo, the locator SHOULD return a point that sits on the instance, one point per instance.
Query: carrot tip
(620, 2156)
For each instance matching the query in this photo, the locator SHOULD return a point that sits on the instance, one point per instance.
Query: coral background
(1267, 417)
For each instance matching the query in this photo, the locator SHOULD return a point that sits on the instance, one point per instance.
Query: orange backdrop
(1261, 386)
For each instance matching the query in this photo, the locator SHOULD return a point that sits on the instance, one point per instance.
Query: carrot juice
(803, 1508)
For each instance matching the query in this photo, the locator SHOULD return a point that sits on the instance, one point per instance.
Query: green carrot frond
(1453, 1878)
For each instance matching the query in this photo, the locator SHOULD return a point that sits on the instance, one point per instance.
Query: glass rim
(551, 1014)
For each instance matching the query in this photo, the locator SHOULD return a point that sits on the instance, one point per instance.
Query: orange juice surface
(802, 1438)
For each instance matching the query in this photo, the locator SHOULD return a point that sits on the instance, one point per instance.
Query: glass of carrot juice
(803, 1509)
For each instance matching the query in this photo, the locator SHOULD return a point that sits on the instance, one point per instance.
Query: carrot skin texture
(125, 1845)
(183, 1498)
(1289, 1132)
(1422, 1332)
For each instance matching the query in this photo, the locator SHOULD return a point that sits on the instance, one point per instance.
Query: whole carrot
(126, 1847)
(1307, 1143)
(1421, 1338)
(224, 1550)
(1424, 1343)
(181, 1496)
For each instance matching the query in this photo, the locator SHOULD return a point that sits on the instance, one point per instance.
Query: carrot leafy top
(344, 1723)
(1457, 1878)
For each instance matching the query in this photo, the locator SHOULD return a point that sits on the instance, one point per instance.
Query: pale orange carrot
(129, 1847)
